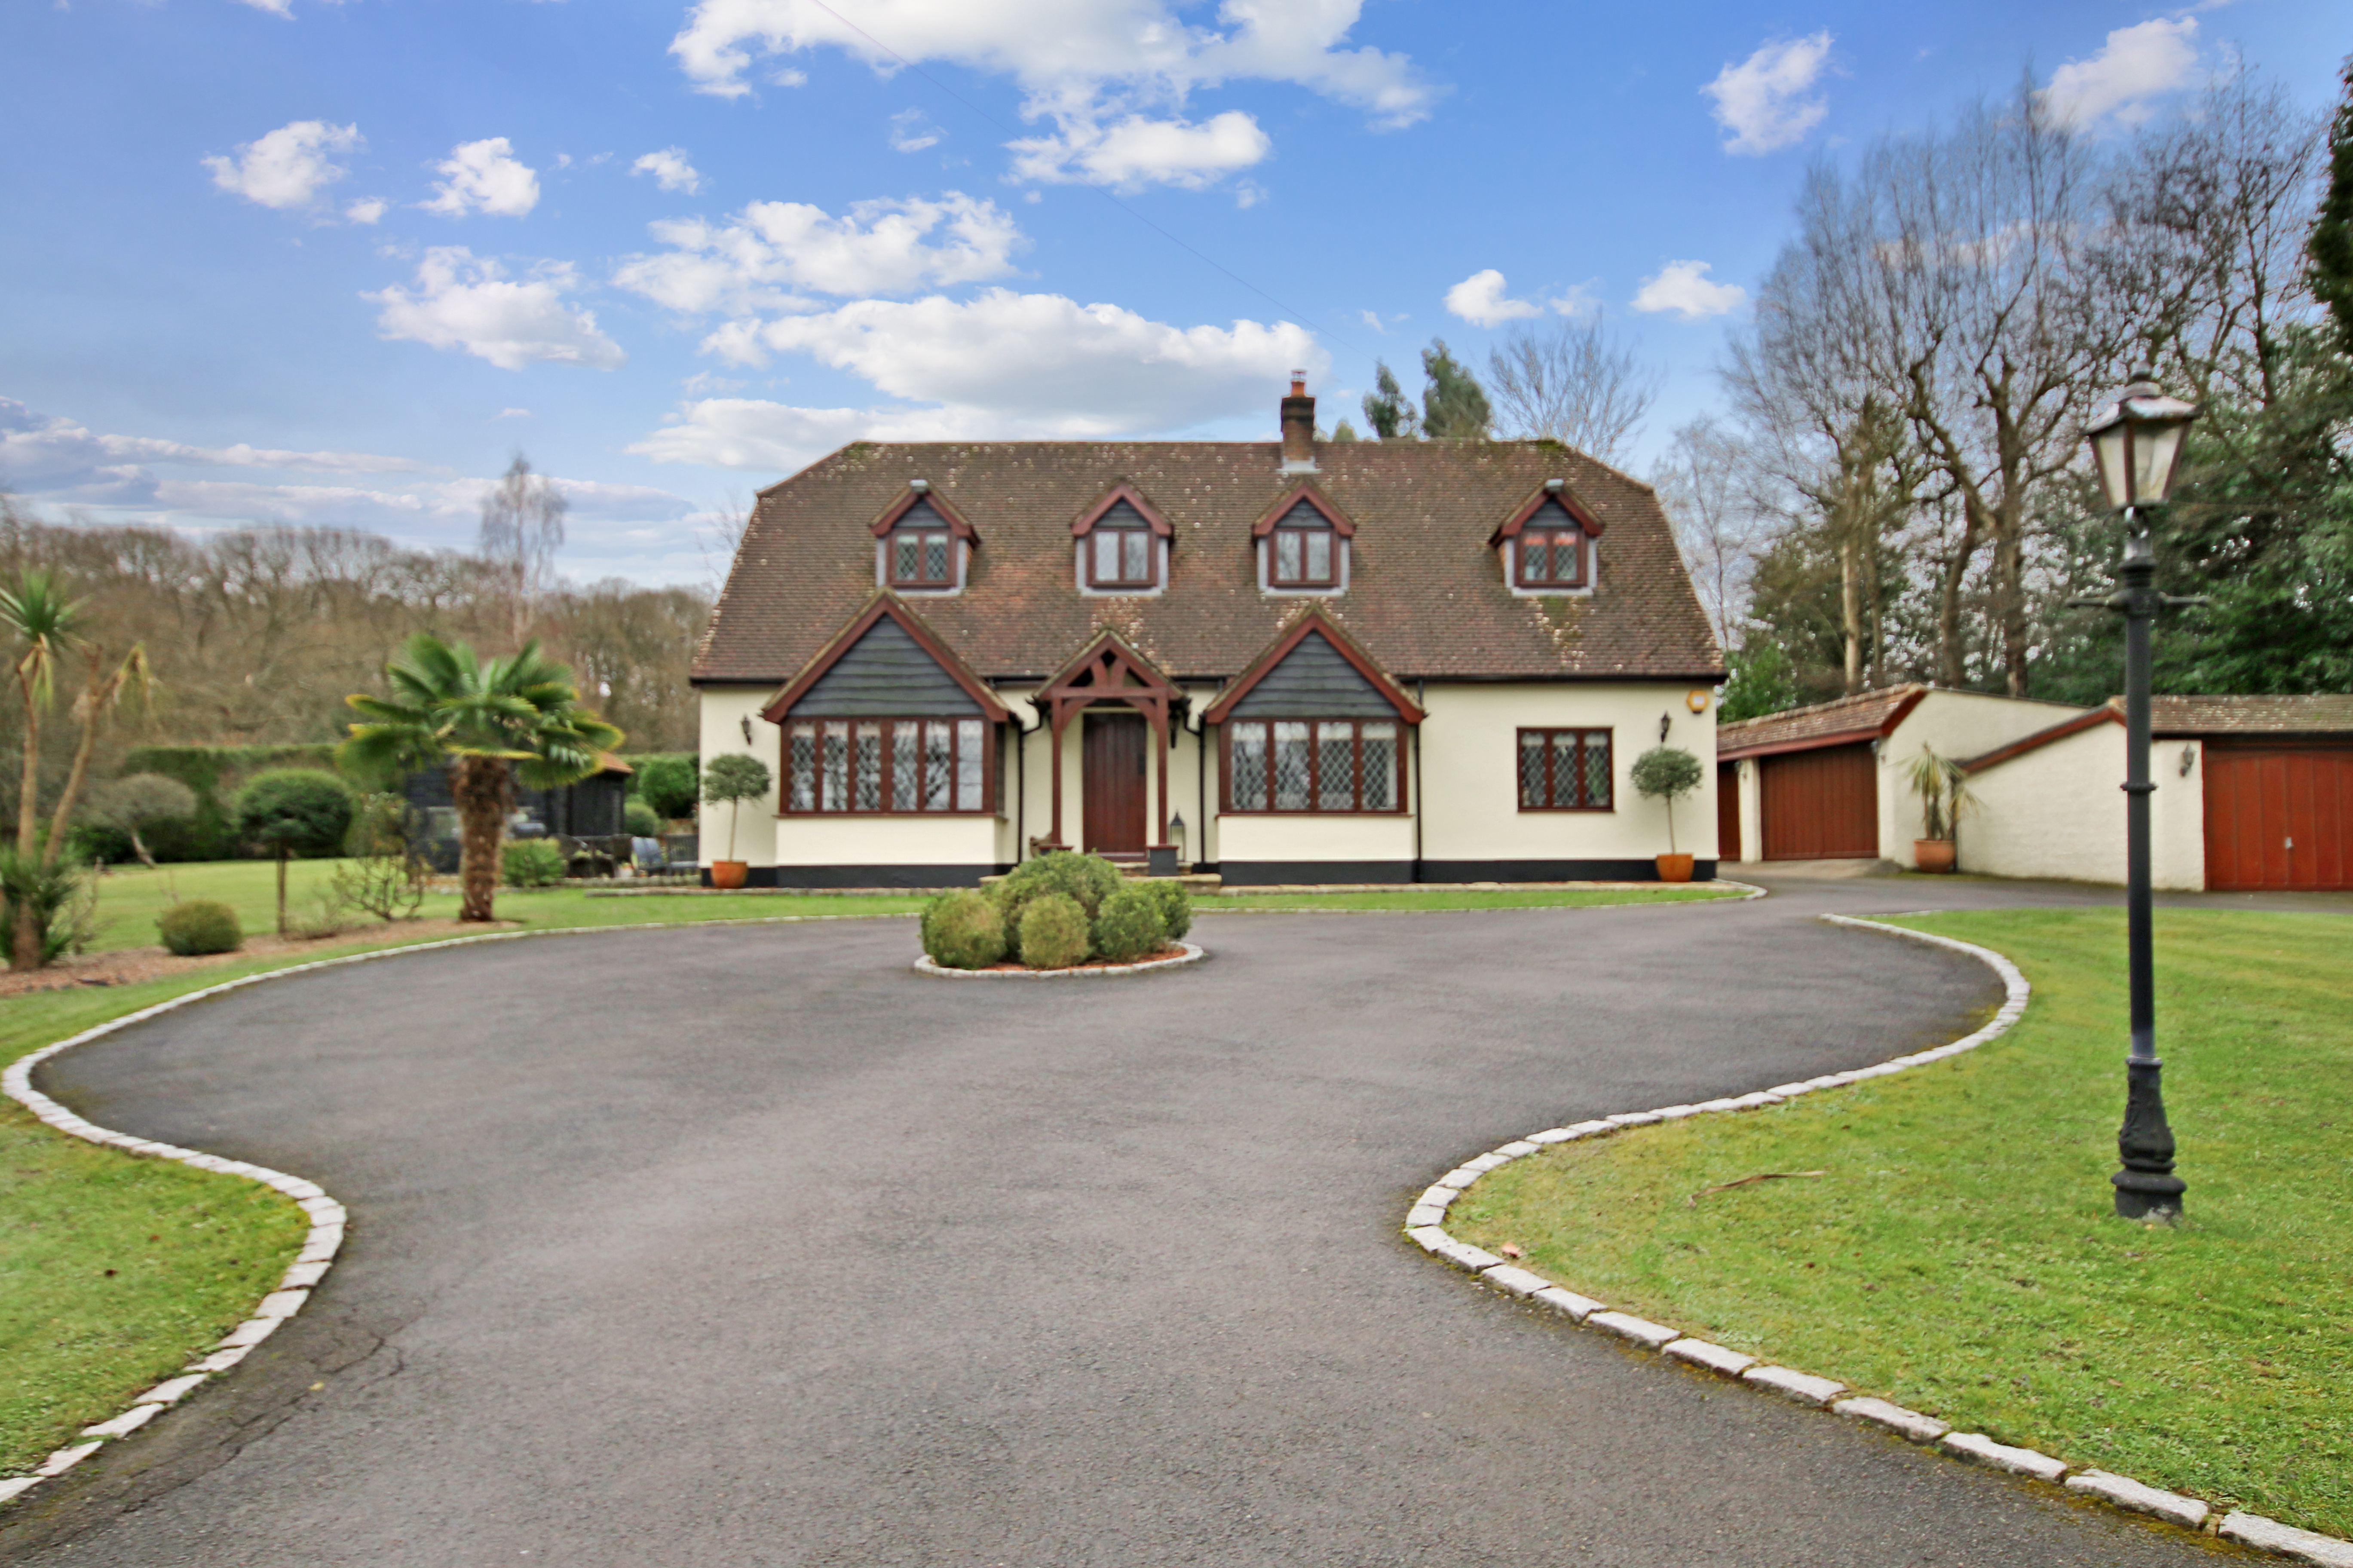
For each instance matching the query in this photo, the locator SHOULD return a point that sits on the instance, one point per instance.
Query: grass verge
(114, 1270)
(1444, 898)
(1961, 1255)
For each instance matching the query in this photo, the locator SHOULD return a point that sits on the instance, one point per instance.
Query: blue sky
(289, 260)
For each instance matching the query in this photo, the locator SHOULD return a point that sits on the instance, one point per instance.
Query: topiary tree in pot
(294, 811)
(1944, 799)
(1668, 772)
(732, 780)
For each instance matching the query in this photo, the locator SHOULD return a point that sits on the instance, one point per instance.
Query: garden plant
(198, 926)
(291, 812)
(530, 863)
(1055, 912)
(732, 780)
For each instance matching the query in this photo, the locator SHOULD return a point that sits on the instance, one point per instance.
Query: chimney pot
(919, 486)
(1298, 427)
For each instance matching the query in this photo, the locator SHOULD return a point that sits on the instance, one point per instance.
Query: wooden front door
(1114, 751)
(1821, 805)
(2279, 816)
(1728, 811)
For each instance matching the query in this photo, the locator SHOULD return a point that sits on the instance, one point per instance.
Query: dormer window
(1304, 546)
(1548, 545)
(921, 544)
(1123, 545)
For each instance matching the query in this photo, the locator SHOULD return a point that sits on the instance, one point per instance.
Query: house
(1829, 782)
(1294, 661)
(2252, 793)
(587, 809)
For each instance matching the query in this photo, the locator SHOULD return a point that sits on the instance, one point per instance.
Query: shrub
(1053, 932)
(61, 896)
(385, 873)
(639, 821)
(1176, 907)
(295, 811)
(200, 925)
(668, 784)
(137, 801)
(1130, 925)
(1086, 880)
(530, 863)
(963, 930)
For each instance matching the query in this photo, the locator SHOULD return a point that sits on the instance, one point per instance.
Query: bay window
(888, 766)
(1324, 765)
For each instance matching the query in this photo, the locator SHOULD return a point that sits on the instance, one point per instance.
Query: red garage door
(1727, 812)
(1822, 805)
(2277, 817)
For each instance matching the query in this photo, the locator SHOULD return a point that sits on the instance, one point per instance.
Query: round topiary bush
(1130, 925)
(1053, 932)
(296, 811)
(1176, 907)
(963, 930)
(200, 925)
(639, 821)
(1087, 879)
(530, 863)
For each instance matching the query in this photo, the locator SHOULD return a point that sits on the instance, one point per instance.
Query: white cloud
(461, 301)
(1002, 366)
(1684, 288)
(759, 259)
(911, 132)
(671, 169)
(1087, 65)
(367, 210)
(512, 413)
(48, 453)
(486, 177)
(289, 166)
(1137, 152)
(1480, 300)
(1760, 100)
(1578, 301)
(2135, 65)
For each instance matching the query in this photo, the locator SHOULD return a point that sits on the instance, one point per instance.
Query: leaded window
(1565, 770)
(887, 765)
(1552, 558)
(1312, 765)
(1120, 558)
(921, 558)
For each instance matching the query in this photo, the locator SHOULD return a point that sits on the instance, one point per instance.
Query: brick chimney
(1298, 427)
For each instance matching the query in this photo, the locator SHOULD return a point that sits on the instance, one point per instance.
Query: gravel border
(1193, 953)
(328, 1217)
(1424, 1225)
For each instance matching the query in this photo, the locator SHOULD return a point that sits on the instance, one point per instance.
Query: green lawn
(1961, 1257)
(1445, 898)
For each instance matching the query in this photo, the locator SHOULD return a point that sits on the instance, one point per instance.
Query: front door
(1113, 751)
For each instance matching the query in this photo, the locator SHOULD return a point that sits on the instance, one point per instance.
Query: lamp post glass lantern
(2136, 442)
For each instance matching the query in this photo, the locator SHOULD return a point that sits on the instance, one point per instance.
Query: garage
(1820, 805)
(2277, 814)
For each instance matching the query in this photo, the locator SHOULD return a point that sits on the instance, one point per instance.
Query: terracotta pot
(729, 874)
(1933, 855)
(1675, 868)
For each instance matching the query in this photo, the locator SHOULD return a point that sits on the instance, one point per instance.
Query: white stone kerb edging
(327, 1216)
(1423, 1227)
(1193, 953)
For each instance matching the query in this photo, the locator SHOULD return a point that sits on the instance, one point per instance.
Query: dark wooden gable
(1122, 514)
(1313, 681)
(923, 514)
(885, 673)
(1304, 515)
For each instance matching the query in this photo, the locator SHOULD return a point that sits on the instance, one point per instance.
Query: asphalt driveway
(733, 1246)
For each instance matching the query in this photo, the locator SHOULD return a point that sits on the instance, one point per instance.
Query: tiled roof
(1426, 595)
(2227, 716)
(1864, 716)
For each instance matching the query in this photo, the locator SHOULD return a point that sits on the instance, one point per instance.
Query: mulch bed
(1010, 967)
(129, 966)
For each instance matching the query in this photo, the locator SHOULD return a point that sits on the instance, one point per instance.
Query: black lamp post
(2138, 441)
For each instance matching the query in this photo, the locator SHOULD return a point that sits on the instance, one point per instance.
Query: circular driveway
(748, 1246)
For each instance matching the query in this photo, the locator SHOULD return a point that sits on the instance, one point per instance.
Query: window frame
(1277, 582)
(1315, 767)
(1582, 731)
(921, 584)
(990, 743)
(1552, 537)
(1152, 559)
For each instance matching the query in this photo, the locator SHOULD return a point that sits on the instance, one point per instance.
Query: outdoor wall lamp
(1666, 722)
(2136, 443)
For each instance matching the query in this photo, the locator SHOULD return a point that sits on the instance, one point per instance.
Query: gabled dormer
(923, 545)
(1548, 544)
(1303, 543)
(1123, 545)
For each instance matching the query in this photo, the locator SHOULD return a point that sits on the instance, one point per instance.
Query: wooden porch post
(1054, 764)
(1160, 744)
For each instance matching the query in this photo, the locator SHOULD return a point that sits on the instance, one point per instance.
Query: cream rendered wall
(1752, 810)
(1470, 772)
(2057, 812)
(910, 840)
(1955, 724)
(724, 709)
(1309, 836)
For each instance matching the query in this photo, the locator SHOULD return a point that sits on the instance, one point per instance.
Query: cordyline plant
(47, 626)
(512, 719)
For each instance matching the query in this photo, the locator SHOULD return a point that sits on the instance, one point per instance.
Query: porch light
(2137, 440)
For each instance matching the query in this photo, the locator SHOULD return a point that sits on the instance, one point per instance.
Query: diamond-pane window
(939, 764)
(870, 767)
(1533, 792)
(1565, 770)
(1335, 766)
(881, 765)
(969, 760)
(1380, 766)
(802, 756)
(1291, 765)
(906, 765)
(1247, 745)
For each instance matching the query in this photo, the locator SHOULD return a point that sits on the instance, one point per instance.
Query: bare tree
(522, 528)
(1575, 384)
(1706, 481)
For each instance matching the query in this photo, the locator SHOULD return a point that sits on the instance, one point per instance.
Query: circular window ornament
(1697, 701)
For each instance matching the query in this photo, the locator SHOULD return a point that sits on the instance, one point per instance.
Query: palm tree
(45, 624)
(493, 724)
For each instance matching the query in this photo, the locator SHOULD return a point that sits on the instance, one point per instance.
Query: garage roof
(2200, 718)
(1866, 716)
